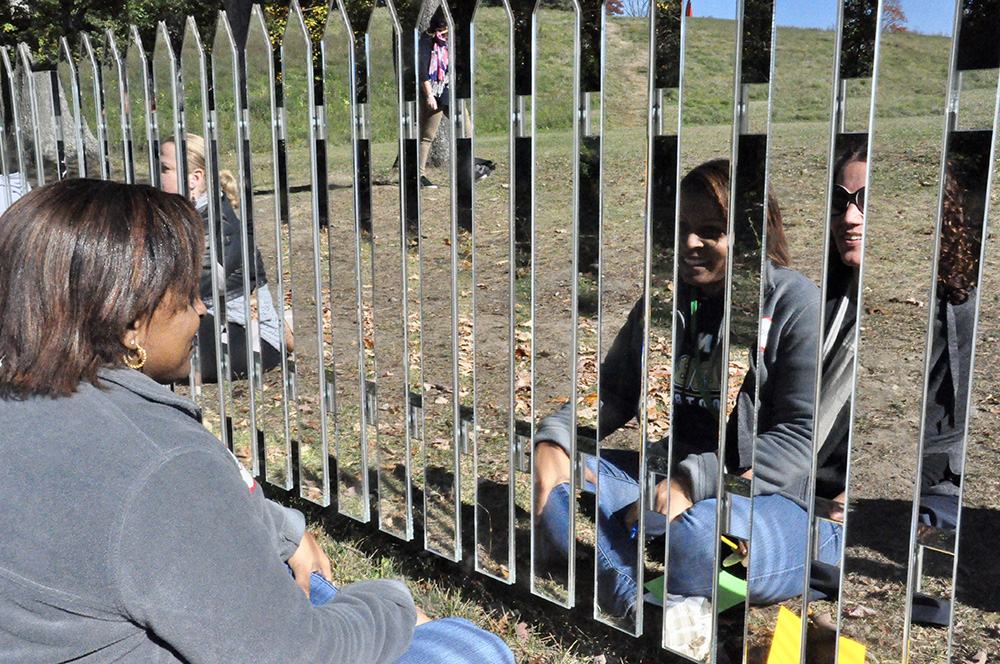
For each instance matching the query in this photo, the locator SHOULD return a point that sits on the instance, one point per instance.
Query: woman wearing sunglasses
(847, 226)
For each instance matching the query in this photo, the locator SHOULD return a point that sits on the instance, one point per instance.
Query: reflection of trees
(978, 46)
(857, 46)
(757, 19)
(668, 43)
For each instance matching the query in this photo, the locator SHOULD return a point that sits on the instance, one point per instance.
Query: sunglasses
(841, 199)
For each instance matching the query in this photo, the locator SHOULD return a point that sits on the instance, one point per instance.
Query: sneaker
(426, 184)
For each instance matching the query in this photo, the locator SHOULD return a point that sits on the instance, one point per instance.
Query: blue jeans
(444, 641)
(777, 563)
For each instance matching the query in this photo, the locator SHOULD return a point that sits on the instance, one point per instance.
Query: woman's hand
(432, 104)
(673, 494)
(309, 558)
(421, 616)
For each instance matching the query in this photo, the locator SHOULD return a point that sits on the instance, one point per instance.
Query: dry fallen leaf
(860, 611)
(978, 658)
(522, 631)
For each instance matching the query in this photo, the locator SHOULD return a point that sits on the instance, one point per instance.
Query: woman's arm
(195, 565)
(783, 459)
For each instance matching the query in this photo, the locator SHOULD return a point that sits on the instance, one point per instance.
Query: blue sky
(925, 16)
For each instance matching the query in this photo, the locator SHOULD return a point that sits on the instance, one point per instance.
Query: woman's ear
(133, 333)
(196, 183)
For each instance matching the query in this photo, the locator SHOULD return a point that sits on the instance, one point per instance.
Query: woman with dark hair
(128, 532)
(785, 417)
(433, 65)
(839, 346)
(952, 341)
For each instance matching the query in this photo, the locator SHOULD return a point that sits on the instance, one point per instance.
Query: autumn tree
(893, 18)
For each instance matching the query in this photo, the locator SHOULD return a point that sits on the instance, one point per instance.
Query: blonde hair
(196, 162)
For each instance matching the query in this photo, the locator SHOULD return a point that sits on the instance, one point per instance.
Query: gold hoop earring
(128, 359)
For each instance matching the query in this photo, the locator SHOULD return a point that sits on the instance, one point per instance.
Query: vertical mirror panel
(304, 256)
(611, 274)
(9, 185)
(953, 302)
(388, 278)
(440, 252)
(168, 122)
(253, 326)
(199, 183)
(661, 205)
(164, 72)
(13, 161)
(343, 270)
(31, 145)
(520, 123)
(493, 317)
(412, 16)
(897, 227)
(846, 236)
(553, 291)
(948, 402)
(460, 40)
(274, 407)
(797, 181)
(767, 430)
(69, 96)
(91, 112)
(700, 371)
(139, 101)
(116, 110)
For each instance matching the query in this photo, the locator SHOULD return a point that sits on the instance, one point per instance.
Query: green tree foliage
(41, 23)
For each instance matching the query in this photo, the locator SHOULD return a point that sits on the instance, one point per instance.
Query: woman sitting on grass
(229, 253)
(128, 532)
(783, 438)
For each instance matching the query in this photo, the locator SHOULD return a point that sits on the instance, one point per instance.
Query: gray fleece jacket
(128, 533)
(787, 386)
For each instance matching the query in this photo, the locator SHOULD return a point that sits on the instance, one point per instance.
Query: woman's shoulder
(784, 281)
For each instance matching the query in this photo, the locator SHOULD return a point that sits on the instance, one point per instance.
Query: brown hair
(961, 233)
(195, 146)
(82, 261)
(712, 179)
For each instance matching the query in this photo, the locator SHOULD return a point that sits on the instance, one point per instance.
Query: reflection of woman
(432, 70)
(784, 455)
(153, 544)
(847, 225)
(230, 255)
(948, 381)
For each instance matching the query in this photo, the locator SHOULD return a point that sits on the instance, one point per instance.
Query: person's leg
(270, 357)
(616, 550)
(429, 122)
(777, 550)
(321, 591)
(444, 641)
(455, 641)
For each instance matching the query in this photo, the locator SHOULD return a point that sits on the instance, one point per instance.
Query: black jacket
(229, 253)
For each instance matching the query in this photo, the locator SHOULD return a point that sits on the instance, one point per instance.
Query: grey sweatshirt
(787, 385)
(128, 533)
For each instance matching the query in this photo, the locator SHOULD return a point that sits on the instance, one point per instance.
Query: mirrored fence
(686, 319)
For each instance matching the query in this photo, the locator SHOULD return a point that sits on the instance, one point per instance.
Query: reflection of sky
(925, 16)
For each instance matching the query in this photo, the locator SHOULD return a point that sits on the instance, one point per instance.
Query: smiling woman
(783, 406)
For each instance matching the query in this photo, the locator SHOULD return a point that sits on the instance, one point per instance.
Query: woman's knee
(692, 551)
